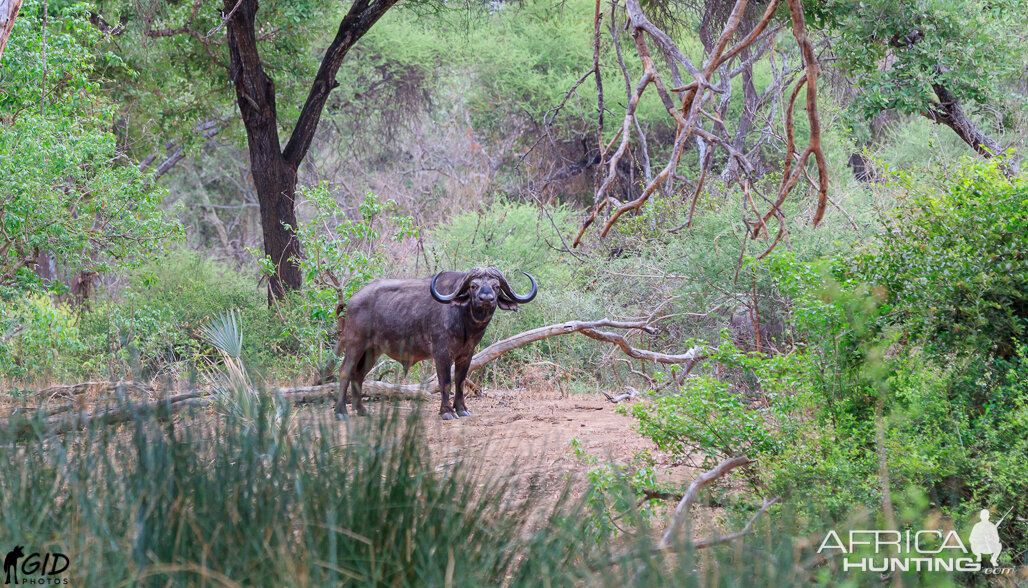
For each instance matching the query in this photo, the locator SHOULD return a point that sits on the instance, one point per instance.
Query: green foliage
(954, 260)
(972, 47)
(617, 495)
(39, 339)
(68, 191)
(153, 327)
(714, 419)
(166, 84)
(343, 254)
(231, 385)
(540, 63)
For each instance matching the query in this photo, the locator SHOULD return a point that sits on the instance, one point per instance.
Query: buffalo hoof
(464, 413)
(362, 411)
(342, 416)
(449, 416)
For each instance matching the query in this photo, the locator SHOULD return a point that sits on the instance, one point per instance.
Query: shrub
(152, 327)
(39, 339)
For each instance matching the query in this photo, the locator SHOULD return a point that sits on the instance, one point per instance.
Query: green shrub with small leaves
(39, 340)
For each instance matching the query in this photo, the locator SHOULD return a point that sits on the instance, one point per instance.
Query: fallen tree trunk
(430, 387)
(58, 421)
(53, 424)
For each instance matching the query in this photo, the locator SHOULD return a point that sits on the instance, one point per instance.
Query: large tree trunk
(8, 12)
(272, 167)
(273, 177)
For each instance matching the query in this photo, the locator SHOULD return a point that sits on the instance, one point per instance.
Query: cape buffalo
(442, 317)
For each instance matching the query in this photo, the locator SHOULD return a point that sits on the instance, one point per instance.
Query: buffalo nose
(486, 296)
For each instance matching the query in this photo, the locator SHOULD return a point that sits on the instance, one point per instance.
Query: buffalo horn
(446, 298)
(509, 292)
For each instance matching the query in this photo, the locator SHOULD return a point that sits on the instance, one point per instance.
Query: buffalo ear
(505, 304)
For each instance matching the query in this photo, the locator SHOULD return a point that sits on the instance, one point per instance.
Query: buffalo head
(483, 289)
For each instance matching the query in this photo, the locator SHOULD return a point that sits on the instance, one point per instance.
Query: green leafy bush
(955, 260)
(39, 339)
(152, 326)
(68, 191)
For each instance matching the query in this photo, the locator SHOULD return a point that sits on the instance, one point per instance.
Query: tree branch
(355, 24)
(693, 493)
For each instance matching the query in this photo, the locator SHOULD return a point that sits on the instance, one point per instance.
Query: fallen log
(628, 394)
(430, 387)
(25, 426)
(64, 419)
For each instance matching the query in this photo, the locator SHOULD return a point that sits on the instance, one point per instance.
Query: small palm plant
(231, 384)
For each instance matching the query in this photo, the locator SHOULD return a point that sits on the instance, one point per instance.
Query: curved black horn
(447, 298)
(509, 292)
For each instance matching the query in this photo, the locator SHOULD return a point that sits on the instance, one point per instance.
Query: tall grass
(204, 500)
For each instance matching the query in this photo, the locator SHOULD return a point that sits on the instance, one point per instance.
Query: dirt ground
(530, 433)
(536, 429)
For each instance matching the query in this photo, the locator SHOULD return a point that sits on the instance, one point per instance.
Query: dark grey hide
(441, 318)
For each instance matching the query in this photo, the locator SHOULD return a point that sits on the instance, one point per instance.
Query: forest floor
(529, 434)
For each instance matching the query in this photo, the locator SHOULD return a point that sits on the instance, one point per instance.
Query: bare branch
(689, 114)
(693, 493)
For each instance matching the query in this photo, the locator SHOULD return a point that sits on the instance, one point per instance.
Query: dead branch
(693, 493)
(704, 543)
(686, 501)
(690, 116)
(628, 394)
(56, 421)
(82, 388)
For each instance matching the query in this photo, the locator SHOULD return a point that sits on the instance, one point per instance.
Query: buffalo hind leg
(442, 368)
(360, 371)
(460, 372)
(345, 375)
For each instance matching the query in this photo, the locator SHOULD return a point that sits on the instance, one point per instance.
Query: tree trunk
(274, 179)
(274, 169)
(8, 12)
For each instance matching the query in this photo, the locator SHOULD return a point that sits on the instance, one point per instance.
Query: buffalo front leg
(442, 368)
(460, 372)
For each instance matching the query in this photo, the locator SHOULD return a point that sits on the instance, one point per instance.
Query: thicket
(903, 368)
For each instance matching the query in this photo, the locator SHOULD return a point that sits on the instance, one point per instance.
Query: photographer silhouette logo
(984, 539)
(34, 568)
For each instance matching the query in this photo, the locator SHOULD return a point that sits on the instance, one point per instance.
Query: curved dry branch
(52, 421)
(693, 493)
(689, 116)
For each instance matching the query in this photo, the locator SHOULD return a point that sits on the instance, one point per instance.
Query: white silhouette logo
(984, 539)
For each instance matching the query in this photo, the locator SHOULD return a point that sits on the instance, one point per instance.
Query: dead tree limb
(58, 421)
(61, 422)
(693, 493)
(687, 111)
(482, 358)
(685, 503)
(628, 394)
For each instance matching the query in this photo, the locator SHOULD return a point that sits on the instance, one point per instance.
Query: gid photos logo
(34, 568)
(925, 550)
